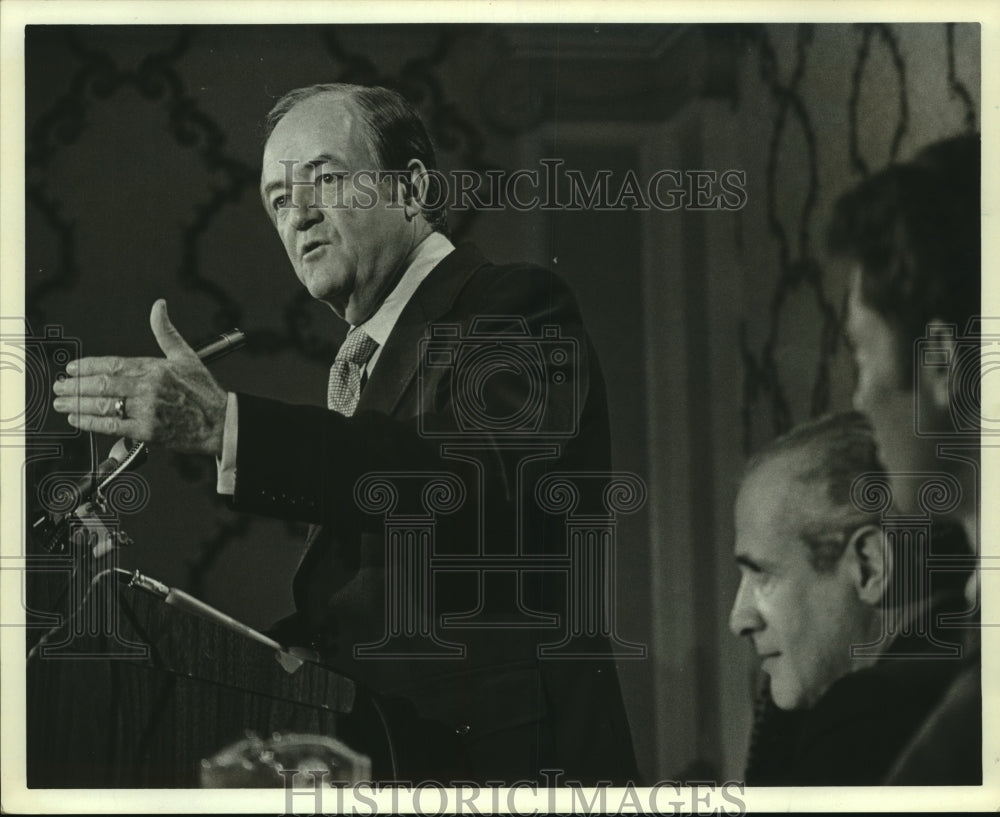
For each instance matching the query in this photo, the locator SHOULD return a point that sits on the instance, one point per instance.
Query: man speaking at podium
(349, 181)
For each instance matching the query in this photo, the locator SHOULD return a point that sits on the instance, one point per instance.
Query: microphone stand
(52, 531)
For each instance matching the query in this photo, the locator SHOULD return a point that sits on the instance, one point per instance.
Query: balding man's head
(814, 568)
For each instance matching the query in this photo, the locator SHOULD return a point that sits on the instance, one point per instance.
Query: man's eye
(759, 580)
(330, 178)
(278, 202)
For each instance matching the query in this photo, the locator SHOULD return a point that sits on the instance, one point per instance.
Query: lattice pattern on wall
(98, 77)
(797, 265)
(451, 130)
(799, 258)
(958, 88)
(891, 42)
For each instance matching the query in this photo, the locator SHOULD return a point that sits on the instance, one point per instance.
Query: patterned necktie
(344, 389)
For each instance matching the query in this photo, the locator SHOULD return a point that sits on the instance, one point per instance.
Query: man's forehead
(324, 124)
(323, 107)
(776, 496)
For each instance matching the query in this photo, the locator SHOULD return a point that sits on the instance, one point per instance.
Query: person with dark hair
(818, 599)
(435, 436)
(912, 235)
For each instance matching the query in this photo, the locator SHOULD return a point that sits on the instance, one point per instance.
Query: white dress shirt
(427, 255)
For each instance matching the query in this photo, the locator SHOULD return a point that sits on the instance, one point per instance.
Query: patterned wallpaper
(107, 77)
(875, 62)
(143, 150)
(817, 108)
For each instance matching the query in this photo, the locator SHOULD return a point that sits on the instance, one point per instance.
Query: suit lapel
(399, 360)
(397, 365)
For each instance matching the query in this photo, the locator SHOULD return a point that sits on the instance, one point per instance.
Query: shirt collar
(428, 254)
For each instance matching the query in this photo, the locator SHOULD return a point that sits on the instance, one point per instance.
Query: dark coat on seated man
(838, 606)
(858, 730)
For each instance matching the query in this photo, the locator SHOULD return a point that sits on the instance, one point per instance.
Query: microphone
(126, 455)
(85, 485)
(220, 347)
(50, 528)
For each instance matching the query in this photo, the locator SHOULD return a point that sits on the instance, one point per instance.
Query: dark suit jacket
(498, 712)
(948, 748)
(857, 730)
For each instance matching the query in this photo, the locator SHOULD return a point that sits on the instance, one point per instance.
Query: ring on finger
(120, 408)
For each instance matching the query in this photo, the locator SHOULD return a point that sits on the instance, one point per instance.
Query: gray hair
(843, 448)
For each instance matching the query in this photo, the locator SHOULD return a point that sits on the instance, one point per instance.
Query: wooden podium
(133, 692)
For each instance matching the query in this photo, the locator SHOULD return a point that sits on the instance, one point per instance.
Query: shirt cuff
(226, 480)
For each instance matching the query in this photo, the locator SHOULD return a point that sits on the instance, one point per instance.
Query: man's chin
(783, 705)
(337, 305)
(785, 699)
(324, 293)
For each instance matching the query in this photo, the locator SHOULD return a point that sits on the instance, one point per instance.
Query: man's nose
(744, 618)
(861, 396)
(306, 208)
(859, 399)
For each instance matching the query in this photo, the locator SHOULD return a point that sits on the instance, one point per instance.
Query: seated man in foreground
(819, 600)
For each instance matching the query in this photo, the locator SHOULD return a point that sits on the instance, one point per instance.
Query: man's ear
(939, 344)
(871, 563)
(415, 185)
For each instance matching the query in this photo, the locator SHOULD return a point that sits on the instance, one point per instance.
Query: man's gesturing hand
(172, 401)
